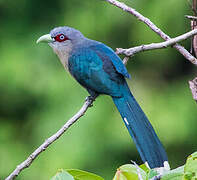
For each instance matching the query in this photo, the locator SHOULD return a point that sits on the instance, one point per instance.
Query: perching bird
(100, 71)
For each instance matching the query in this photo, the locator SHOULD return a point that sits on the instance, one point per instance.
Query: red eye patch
(61, 38)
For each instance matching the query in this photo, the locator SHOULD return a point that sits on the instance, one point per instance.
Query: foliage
(75, 174)
(62, 175)
(190, 169)
(135, 172)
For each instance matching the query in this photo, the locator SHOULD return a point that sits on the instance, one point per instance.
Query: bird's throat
(63, 54)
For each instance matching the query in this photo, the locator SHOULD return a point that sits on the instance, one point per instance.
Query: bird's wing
(94, 70)
(105, 52)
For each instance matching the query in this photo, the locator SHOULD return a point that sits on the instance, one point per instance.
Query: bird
(97, 68)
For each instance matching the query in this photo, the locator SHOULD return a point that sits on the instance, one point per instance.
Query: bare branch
(147, 21)
(50, 140)
(125, 60)
(137, 49)
(193, 26)
(191, 17)
(193, 87)
(138, 170)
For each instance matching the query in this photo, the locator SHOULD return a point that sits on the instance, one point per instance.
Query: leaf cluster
(135, 172)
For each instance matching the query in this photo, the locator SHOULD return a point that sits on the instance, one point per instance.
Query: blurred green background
(37, 96)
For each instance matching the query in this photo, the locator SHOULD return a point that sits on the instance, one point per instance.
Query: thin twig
(193, 87)
(50, 140)
(151, 25)
(191, 17)
(152, 46)
(138, 170)
(194, 26)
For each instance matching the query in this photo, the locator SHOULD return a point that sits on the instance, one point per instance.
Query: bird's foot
(90, 99)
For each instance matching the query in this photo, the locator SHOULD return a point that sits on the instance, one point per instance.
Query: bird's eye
(61, 38)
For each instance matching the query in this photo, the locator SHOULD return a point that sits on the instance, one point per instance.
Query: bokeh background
(37, 96)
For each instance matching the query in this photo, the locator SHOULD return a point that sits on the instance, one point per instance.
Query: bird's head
(61, 37)
(63, 40)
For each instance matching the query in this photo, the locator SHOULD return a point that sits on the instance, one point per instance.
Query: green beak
(45, 38)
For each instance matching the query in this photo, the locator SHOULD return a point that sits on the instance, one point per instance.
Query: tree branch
(152, 46)
(151, 25)
(191, 17)
(193, 87)
(50, 140)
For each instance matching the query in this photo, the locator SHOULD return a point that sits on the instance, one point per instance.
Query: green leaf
(83, 175)
(190, 170)
(144, 167)
(62, 175)
(152, 173)
(130, 172)
(175, 174)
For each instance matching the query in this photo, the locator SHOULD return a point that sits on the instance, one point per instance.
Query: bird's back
(91, 64)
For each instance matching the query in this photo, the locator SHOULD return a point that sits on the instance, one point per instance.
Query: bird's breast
(63, 55)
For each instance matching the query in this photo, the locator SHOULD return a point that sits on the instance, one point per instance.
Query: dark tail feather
(142, 132)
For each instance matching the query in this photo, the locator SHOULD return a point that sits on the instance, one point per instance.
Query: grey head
(63, 40)
(62, 37)
(70, 33)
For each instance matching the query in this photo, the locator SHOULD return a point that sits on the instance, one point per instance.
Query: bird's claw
(90, 99)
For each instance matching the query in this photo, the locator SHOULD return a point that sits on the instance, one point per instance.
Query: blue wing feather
(95, 71)
(106, 52)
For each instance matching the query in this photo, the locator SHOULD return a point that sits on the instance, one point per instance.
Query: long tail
(142, 132)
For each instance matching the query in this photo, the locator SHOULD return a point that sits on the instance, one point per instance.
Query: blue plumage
(98, 69)
(142, 132)
(94, 69)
